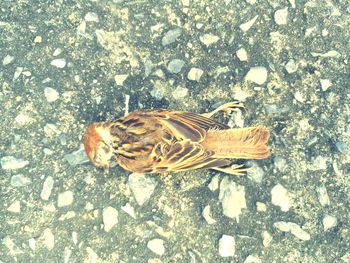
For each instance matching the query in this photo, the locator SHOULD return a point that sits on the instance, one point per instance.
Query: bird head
(97, 144)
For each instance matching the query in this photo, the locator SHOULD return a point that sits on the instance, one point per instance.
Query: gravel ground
(65, 64)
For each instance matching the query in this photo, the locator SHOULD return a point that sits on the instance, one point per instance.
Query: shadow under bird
(159, 141)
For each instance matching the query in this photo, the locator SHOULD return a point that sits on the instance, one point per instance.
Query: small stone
(279, 196)
(7, 60)
(119, 79)
(329, 222)
(246, 26)
(11, 246)
(32, 243)
(19, 180)
(291, 66)
(65, 199)
(319, 163)
(66, 255)
(38, 39)
(323, 197)
(282, 226)
(12, 163)
(22, 119)
(58, 63)
(325, 84)
(48, 239)
(171, 36)
(207, 215)
(91, 17)
(51, 130)
(51, 94)
(232, 197)
(300, 97)
(209, 39)
(58, 51)
(142, 187)
(175, 65)
(261, 207)
(17, 73)
(214, 183)
(47, 188)
(342, 147)
(77, 157)
(255, 173)
(281, 16)
(129, 210)
(195, 74)
(252, 259)
(328, 54)
(180, 93)
(15, 207)
(258, 75)
(75, 237)
(267, 238)
(298, 232)
(292, 3)
(280, 163)
(110, 218)
(227, 246)
(63, 139)
(242, 54)
(156, 246)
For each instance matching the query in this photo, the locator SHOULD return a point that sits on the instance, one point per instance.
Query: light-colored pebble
(291, 66)
(214, 183)
(171, 36)
(19, 180)
(242, 54)
(207, 215)
(48, 239)
(51, 94)
(255, 173)
(232, 197)
(280, 163)
(156, 246)
(32, 243)
(38, 39)
(267, 238)
(323, 197)
(319, 163)
(258, 75)
(110, 218)
(246, 26)
(91, 17)
(51, 130)
(180, 93)
(328, 54)
(127, 208)
(7, 60)
(141, 186)
(281, 16)
(77, 157)
(58, 51)
(15, 207)
(58, 63)
(175, 65)
(12, 163)
(66, 254)
(252, 259)
(119, 79)
(22, 119)
(292, 3)
(261, 207)
(293, 228)
(11, 246)
(209, 39)
(75, 237)
(279, 197)
(299, 96)
(325, 84)
(227, 246)
(17, 73)
(195, 74)
(65, 199)
(47, 188)
(329, 222)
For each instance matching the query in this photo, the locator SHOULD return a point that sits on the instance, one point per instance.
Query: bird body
(160, 141)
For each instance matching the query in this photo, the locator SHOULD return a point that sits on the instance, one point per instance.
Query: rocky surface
(66, 64)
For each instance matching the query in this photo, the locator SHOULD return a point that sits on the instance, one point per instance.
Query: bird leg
(235, 169)
(227, 108)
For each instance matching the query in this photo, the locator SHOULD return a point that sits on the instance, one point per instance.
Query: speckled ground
(64, 64)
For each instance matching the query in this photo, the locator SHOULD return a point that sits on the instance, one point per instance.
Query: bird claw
(227, 108)
(234, 169)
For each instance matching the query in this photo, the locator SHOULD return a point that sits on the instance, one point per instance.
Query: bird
(162, 141)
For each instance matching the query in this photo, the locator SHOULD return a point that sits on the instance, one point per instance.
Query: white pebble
(141, 186)
(267, 238)
(292, 3)
(207, 215)
(12, 163)
(323, 197)
(129, 210)
(252, 259)
(58, 51)
(156, 246)
(32, 243)
(281, 16)
(17, 73)
(195, 74)
(291, 66)
(258, 75)
(242, 54)
(91, 17)
(227, 246)
(209, 39)
(299, 96)
(51, 94)
(261, 207)
(279, 196)
(329, 222)
(246, 26)
(48, 239)
(110, 218)
(75, 237)
(47, 188)
(119, 79)
(298, 232)
(325, 84)
(22, 119)
(7, 60)
(180, 93)
(214, 183)
(65, 199)
(58, 63)
(15, 207)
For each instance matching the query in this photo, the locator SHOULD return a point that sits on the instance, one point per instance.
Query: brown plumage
(171, 141)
